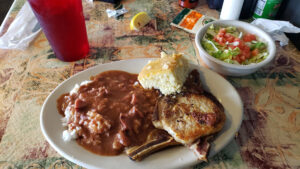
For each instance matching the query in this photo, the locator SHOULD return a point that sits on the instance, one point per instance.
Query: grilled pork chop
(190, 115)
(190, 118)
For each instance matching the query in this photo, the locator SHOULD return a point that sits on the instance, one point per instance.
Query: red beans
(113, 111)
(79, 104)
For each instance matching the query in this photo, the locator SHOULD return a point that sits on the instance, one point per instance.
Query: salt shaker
(231, 9)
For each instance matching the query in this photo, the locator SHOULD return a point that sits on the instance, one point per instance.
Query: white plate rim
(182, 162)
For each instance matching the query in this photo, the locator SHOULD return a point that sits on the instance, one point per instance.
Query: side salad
(233, 46)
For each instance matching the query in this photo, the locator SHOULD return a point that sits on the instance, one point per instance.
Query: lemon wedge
(139, 21)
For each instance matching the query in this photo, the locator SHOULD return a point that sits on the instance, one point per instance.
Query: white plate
(176, 157)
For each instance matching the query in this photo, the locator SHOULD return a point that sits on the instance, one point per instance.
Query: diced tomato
(243, 58)
(227, 35)
(222, 44)
(249, 37)
(254, 52)
(221, 34)
(216, 39)
(222, 30)
(232, 47)
(237, 39)
(230, 39)
(242, 45)
(237, 58)
(247, 48)
(220, 39)
(246, 54)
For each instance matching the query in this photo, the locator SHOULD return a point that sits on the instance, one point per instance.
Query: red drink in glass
(63, 24)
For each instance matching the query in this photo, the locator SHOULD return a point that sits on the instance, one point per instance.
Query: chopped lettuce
(226, 54)
(230, 29)
(233, 30)
(209, 46)
(209, 36)
(258, 58)
(211, 31)
(257, 45)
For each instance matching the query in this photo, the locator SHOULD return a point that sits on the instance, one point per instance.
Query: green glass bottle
(266, 8)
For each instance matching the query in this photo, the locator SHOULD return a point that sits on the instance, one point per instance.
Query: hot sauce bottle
(188, 3)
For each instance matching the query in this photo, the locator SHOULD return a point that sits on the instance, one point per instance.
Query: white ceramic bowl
(233, 69)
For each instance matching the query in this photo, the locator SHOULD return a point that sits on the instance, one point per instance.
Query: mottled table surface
(270, 133)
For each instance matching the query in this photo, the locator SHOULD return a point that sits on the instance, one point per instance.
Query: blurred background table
(270, 133)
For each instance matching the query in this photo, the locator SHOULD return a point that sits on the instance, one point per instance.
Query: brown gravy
(113, 112)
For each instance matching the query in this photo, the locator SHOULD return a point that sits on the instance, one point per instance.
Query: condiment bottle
(231, 9)
(188, 3)
(267, 8)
